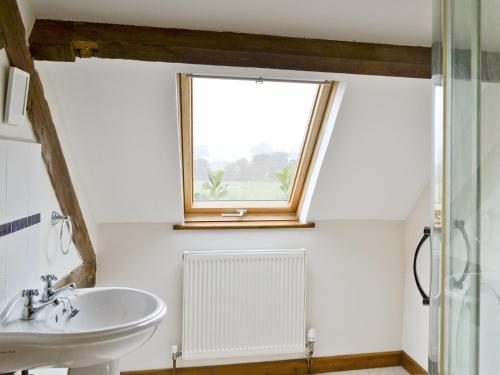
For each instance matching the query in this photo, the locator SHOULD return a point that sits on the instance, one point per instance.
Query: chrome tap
(30, 309)
(49, 293)
(73, 310)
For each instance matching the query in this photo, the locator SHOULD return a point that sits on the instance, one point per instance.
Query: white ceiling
(120, 119)
(383, 21)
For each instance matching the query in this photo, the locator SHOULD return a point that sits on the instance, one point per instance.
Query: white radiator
(243, 303)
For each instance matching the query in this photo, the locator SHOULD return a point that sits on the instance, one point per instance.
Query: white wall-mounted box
(17, 97)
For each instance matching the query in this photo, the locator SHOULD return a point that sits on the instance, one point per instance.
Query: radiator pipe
(311, 339)
(310, 351)
(175, 354)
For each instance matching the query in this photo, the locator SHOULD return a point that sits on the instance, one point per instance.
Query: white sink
(111, 323)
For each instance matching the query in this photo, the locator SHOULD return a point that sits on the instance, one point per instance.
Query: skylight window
(248, 144)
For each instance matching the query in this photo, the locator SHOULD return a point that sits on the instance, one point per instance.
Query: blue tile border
(19, 224)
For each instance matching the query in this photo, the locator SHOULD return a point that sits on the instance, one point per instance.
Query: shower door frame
(444, 304)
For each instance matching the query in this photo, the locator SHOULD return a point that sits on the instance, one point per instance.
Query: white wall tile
(3, 257)
(2, 289)
(3, 182)
(20, 251)
(18, 159)
(34, 168)
(25, 189)
(3, 240)
(32, 257)
(17, 249)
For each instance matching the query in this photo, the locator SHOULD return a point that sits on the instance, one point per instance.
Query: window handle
(239, 213)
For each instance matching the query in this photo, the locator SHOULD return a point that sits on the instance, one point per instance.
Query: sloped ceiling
(381, 21)
(120, 118)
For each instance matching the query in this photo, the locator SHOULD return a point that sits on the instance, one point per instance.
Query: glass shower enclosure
(465, 285)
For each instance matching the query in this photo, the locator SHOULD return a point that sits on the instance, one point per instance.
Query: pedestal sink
(111, 322)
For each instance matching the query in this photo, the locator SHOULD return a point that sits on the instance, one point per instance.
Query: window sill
(211, 225)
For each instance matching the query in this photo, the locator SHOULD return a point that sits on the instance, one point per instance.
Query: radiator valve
(311, 335)
(175, 352)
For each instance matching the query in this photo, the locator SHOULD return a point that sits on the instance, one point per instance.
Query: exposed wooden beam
(64, 41)
(2, 41)
(12, 27)
(83, 276)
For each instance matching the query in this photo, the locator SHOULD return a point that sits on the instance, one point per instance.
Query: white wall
(415, 340)
(27, 14)
(24, 133)
(41, 253)
(355, 268)
(355, 273)
(364, 176)
(48, 259)
(71, 160)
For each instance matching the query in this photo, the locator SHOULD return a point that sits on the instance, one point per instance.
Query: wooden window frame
(257, 211)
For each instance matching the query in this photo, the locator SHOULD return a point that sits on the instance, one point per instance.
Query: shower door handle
(460, 225)
(425, 297)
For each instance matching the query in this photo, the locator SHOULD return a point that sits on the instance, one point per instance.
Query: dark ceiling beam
(2, 41)
(65, 40)
(12, 28)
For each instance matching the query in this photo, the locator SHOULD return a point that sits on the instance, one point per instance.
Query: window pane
(247, 138)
